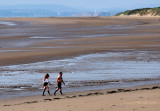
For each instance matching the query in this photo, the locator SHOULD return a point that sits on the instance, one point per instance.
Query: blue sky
(90, 4)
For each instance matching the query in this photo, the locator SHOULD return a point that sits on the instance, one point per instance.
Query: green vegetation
(142, 12)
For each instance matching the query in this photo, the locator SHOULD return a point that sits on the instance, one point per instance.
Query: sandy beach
(144, 98)
(37, 39)
(119, 41)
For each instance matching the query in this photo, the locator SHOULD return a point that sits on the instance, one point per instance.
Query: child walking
(59, 83)
(45, 84)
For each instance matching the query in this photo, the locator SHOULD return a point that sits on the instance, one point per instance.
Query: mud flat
(32, 40)
(109, 53)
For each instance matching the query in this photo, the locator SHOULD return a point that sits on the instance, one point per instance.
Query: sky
(89, 4)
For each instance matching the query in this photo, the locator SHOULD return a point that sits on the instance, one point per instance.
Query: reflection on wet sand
(87, 72)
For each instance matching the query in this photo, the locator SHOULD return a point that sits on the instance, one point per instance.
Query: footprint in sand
(56, 98)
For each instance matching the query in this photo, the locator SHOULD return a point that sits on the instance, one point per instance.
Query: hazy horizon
(88, 4)
(70, 8)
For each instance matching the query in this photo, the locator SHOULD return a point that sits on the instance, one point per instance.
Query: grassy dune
(141, 12)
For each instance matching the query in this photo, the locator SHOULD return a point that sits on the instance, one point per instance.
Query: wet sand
(30, 40)
(41, 39)
(117, 69)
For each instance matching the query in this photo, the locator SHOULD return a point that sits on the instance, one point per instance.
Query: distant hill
(141, 12)
(37, 10)
(51, 10)
(49, 13)
(51, 7)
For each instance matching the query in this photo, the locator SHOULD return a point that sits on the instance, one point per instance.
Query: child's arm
(57, 80)
(63, 82)
(43, 82)
(49, 83)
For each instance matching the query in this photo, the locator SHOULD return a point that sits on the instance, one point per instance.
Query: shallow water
(128, 34)
(5, 51)
(120, 27)
(7, 23)
(87, 72)
(37, 37)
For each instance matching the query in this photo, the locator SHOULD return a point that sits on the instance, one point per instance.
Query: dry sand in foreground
(137, 99)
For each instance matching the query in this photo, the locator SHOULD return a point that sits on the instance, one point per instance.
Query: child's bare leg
(61, 91)
(44, 89)
(56, 91)
(48, 90)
